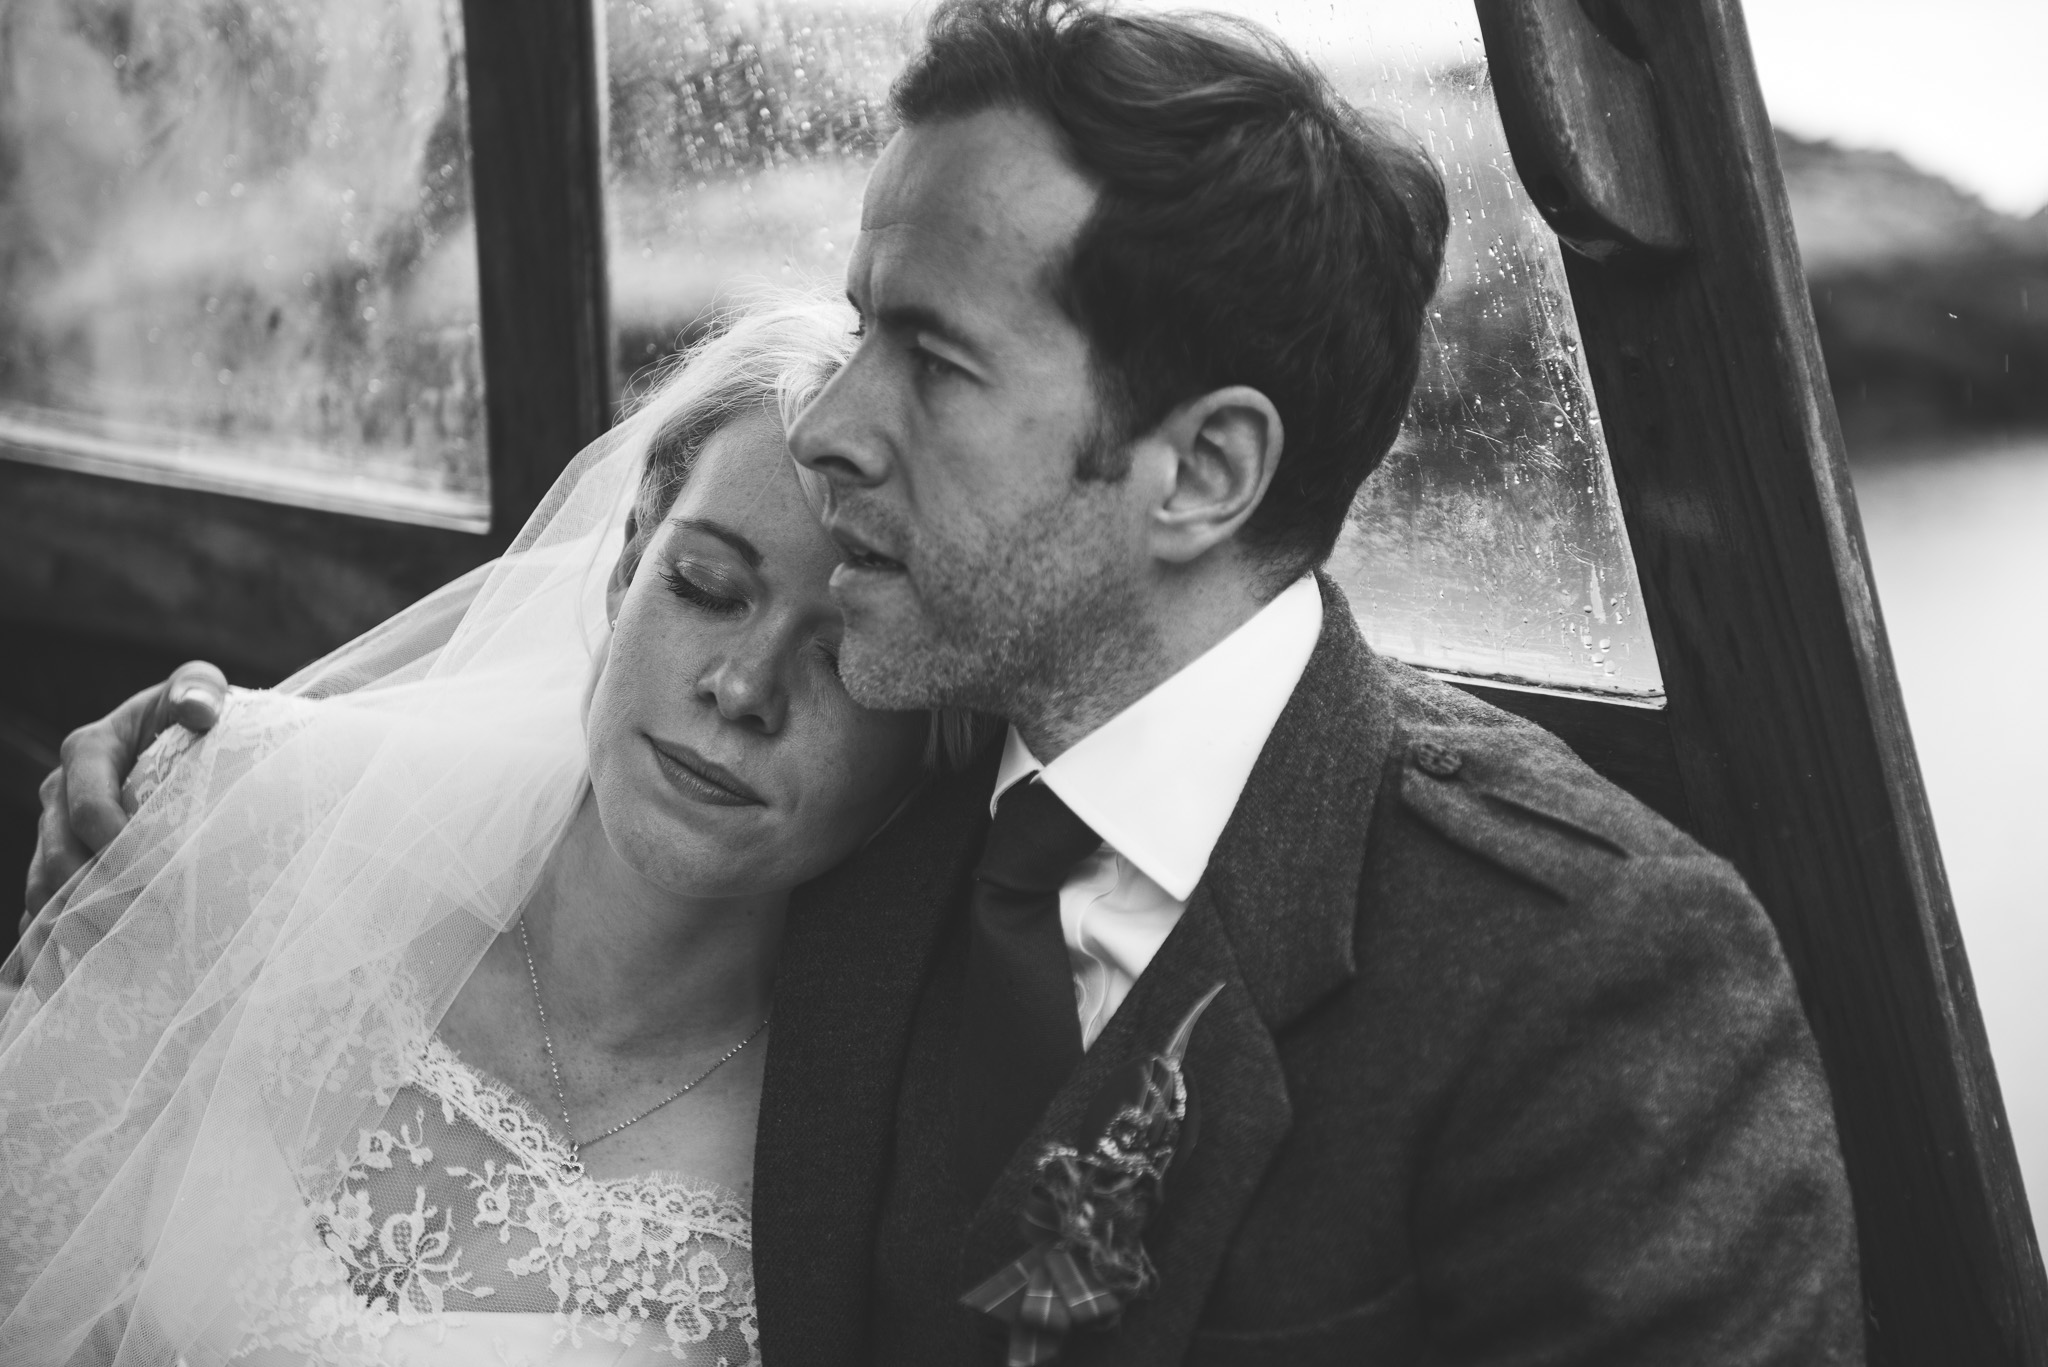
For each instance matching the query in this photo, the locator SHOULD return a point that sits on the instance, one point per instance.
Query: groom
(1499, 1067)
(1502, 1068)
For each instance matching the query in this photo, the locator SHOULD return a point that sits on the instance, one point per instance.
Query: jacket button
(1438, 761)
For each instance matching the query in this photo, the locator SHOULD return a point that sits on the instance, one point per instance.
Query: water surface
(1959, 544)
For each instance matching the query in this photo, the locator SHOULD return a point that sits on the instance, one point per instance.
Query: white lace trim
(507, 1116)
(651, 1262)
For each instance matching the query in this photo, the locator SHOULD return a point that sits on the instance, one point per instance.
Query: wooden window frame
(1782, 744)
(1640, 127)
(265, 586)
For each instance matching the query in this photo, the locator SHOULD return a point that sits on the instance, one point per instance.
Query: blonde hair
(773, 354)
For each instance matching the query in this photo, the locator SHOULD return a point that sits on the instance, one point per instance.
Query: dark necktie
(1020, 1036)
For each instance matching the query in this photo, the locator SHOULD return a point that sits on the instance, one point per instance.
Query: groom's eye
(932, 364)
(696, 594)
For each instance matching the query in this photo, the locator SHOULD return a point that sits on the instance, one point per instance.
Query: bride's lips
(698, 777)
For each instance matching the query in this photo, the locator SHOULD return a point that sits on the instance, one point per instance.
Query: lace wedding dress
(465, 1232)
(452, 1227)
(228, 1132)
(462, 1229)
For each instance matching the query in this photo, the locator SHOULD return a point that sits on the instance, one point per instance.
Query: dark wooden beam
(536, 132)
(261, 588)
(1585, 140)
(1784, 710)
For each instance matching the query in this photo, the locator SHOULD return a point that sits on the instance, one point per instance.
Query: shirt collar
(1159, 780)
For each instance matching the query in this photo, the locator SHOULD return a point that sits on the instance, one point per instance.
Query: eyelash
(931, 363)
(696, 594)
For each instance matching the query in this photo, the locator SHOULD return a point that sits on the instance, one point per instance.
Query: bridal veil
(225, 1000)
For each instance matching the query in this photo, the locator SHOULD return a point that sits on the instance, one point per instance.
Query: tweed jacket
(1506, 1069)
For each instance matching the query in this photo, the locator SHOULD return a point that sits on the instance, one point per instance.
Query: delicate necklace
(577, 1146)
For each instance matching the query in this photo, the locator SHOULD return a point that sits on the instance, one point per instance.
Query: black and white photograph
(1023, 683)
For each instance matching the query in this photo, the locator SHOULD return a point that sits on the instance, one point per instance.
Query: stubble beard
(1021, 620)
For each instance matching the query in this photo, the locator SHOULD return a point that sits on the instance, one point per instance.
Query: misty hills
(1932, 306)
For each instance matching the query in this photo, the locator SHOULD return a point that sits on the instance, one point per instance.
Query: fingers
(81, 803)
(193, 698)
(95, 759)
(59, 853)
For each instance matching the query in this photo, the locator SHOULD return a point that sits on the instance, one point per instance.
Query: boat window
(1490, 544)
(236, 251)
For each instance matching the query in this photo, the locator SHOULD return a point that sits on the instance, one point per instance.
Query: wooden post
(536, 132)
(1784, 712)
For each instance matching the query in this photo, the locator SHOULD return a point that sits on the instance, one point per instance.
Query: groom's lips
(861, 555)
(702, 779)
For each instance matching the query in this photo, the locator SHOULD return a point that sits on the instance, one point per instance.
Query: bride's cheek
(597, 726)
(598, 669)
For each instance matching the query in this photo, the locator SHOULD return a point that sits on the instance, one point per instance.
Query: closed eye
(695, 594)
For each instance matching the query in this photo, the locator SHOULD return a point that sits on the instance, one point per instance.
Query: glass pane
(740, 140)
(236, 250)
(1490, 543)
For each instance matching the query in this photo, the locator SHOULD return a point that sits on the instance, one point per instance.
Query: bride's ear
(623, 570)
(615, 588)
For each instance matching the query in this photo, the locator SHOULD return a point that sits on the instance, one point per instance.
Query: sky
(1958, 87)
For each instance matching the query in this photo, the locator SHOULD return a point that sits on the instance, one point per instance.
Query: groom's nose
(840, 434)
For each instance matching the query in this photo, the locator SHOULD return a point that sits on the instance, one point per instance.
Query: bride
(420, 1013)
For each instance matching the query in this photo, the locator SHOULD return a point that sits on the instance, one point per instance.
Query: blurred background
(1914, 140)
(237, 253)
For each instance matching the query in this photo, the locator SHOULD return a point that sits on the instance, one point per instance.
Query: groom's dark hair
(1251, 228)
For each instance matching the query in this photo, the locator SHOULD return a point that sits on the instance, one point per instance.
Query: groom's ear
(1213, 457)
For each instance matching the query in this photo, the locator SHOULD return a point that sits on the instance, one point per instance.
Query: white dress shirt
(1157, 782)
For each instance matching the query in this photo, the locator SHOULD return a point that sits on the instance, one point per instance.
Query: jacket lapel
(1286, 870)
(855, 956)
(1273, 921)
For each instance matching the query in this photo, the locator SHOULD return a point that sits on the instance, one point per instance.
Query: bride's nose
(746, 685)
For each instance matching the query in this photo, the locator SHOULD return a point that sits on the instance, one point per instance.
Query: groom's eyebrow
(920, 318)
(746, 549)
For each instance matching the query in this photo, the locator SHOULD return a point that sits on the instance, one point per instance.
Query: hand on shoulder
(82, 806)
